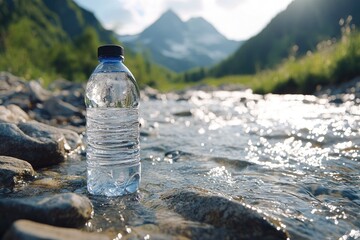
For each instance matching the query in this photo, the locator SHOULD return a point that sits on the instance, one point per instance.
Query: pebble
(183, 114)
(47, 183)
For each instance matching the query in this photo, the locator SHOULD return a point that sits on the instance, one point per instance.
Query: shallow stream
(294, 157)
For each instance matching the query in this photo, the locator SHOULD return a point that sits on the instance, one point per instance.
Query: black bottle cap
(110, 50)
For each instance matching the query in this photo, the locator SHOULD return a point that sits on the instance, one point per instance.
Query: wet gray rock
(341, 92)
(150, 93)
(40, 130)
(69, 92)
(14, 90)
(13, 170)
(63, 210)
(60, 113)
(18, 112)
(26, 230)
(223, 218)
(37, 92)
(20, 99)
(63, 105)
(10, 82)
(39, 152)
(75, 97)
(183, 114)
(58, 108)
(13, 114)
(62, 84)
(177, 155)
(231, 163)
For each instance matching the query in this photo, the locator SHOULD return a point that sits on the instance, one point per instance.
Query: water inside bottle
(113, 152)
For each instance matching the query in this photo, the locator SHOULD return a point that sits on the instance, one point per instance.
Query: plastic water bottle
(112, 126)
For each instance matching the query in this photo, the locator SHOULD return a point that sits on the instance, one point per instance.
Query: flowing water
(294, 157)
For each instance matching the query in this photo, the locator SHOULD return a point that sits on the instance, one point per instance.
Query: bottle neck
(111, 59)
(110, 64)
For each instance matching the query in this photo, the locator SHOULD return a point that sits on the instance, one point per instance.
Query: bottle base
(113, 181)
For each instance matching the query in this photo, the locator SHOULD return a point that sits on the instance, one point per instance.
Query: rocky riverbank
(39, 128)
(42, 128)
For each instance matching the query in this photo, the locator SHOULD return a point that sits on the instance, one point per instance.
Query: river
(293, 157)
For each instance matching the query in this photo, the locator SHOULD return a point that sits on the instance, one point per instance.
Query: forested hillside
(56, 38)
(333, 64)
(293, 32)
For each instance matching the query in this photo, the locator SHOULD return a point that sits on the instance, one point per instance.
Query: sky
(235, 19)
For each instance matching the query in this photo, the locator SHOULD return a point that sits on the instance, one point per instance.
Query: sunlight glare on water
(294, 157)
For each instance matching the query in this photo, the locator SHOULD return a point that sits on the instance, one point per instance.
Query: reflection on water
(294, 157)
(302, 155)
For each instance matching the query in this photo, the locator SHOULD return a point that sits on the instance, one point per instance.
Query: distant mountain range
(180, 45)
(57, 38)
(303, 24)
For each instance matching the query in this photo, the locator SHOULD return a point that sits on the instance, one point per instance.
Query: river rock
(13, 114)
(227, 219)
(186, 113)
(39, 152)
(37, 92)
(14, 90)
(25, 230)
(13, 170)
(74, 97)
(150, 93)
(62, 84)
(58, 108)
(20, 99)
(63, 210)
(40, 130)
(10, 82)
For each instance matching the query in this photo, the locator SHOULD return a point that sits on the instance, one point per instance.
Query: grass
(332, 63)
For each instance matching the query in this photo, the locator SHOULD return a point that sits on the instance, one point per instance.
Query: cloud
(145, 12)
(112, 14)
(185, 8)
(229, 4)
(236, 19)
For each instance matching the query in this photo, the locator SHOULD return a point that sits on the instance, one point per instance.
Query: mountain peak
(169, 12)
(201, 23)
(181, 45)
(197, 20)
(201, 26)
(169, 15)
(168, 23)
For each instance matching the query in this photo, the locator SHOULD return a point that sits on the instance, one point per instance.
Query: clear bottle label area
(113, 151)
